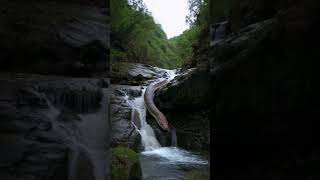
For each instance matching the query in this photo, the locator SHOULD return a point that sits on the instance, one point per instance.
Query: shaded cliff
(265, 96)
(54, 127)
(54, 37)
(185, 103)
(43, 137)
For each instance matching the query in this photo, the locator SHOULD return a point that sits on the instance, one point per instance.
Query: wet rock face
(30, 97)
(133, 93)
(218, 32)
(67, 116)
(75, 97)
(188, 91)
(184, 102)
(39, 139)
(263, 82)
(54, 37)
(122, 115)
(30, 144)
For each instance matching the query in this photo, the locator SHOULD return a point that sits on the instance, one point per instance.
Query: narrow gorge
(159, 154)
(159, 89)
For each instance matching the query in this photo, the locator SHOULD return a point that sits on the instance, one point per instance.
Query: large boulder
(188, 92)
(134, 73)
(125, 164)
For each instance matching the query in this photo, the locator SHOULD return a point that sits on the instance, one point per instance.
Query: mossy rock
(198, 175)
(125, 164)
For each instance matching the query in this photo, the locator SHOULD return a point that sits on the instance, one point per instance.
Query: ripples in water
(168, 163)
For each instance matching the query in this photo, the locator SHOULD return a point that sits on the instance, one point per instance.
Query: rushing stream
(159, 162)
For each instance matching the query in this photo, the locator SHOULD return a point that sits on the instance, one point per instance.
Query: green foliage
(198, 19)
(183, 44)
(125, 153)
(198, 12)
(137, 38)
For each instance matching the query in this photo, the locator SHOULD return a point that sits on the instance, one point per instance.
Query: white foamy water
(148, 138)
(175, 155)
(170, 163)
(171, 74)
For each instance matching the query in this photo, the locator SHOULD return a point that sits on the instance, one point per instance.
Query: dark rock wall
(122, 116)
(265, 93)
(43, 140)
(54, 37)
(262, 95)
(185, 104)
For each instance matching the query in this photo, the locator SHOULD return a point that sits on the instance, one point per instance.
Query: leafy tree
(198, 12)
(137, 38)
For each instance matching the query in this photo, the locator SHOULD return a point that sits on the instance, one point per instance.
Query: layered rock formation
(54, 127)
(55, 37)
(134, 74)
(43, 137)
(122, 115)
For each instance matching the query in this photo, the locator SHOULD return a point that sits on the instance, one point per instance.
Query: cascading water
(148, 138)
(162, 162)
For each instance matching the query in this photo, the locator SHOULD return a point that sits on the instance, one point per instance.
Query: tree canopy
(137, 38)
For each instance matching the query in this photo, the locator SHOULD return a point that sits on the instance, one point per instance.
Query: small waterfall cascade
(174, 141)
(148, 138)
(156, 161)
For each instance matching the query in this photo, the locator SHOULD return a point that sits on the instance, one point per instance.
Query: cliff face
(185, 104)
(54, 37)
(262, 94)
(265, 88)
(53, 128)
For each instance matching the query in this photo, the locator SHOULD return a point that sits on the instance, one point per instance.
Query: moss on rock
(125, 164)
(198, 175)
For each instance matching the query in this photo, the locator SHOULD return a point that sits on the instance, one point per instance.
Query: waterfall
(148, 138)
(161, 162)
(174, 142)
